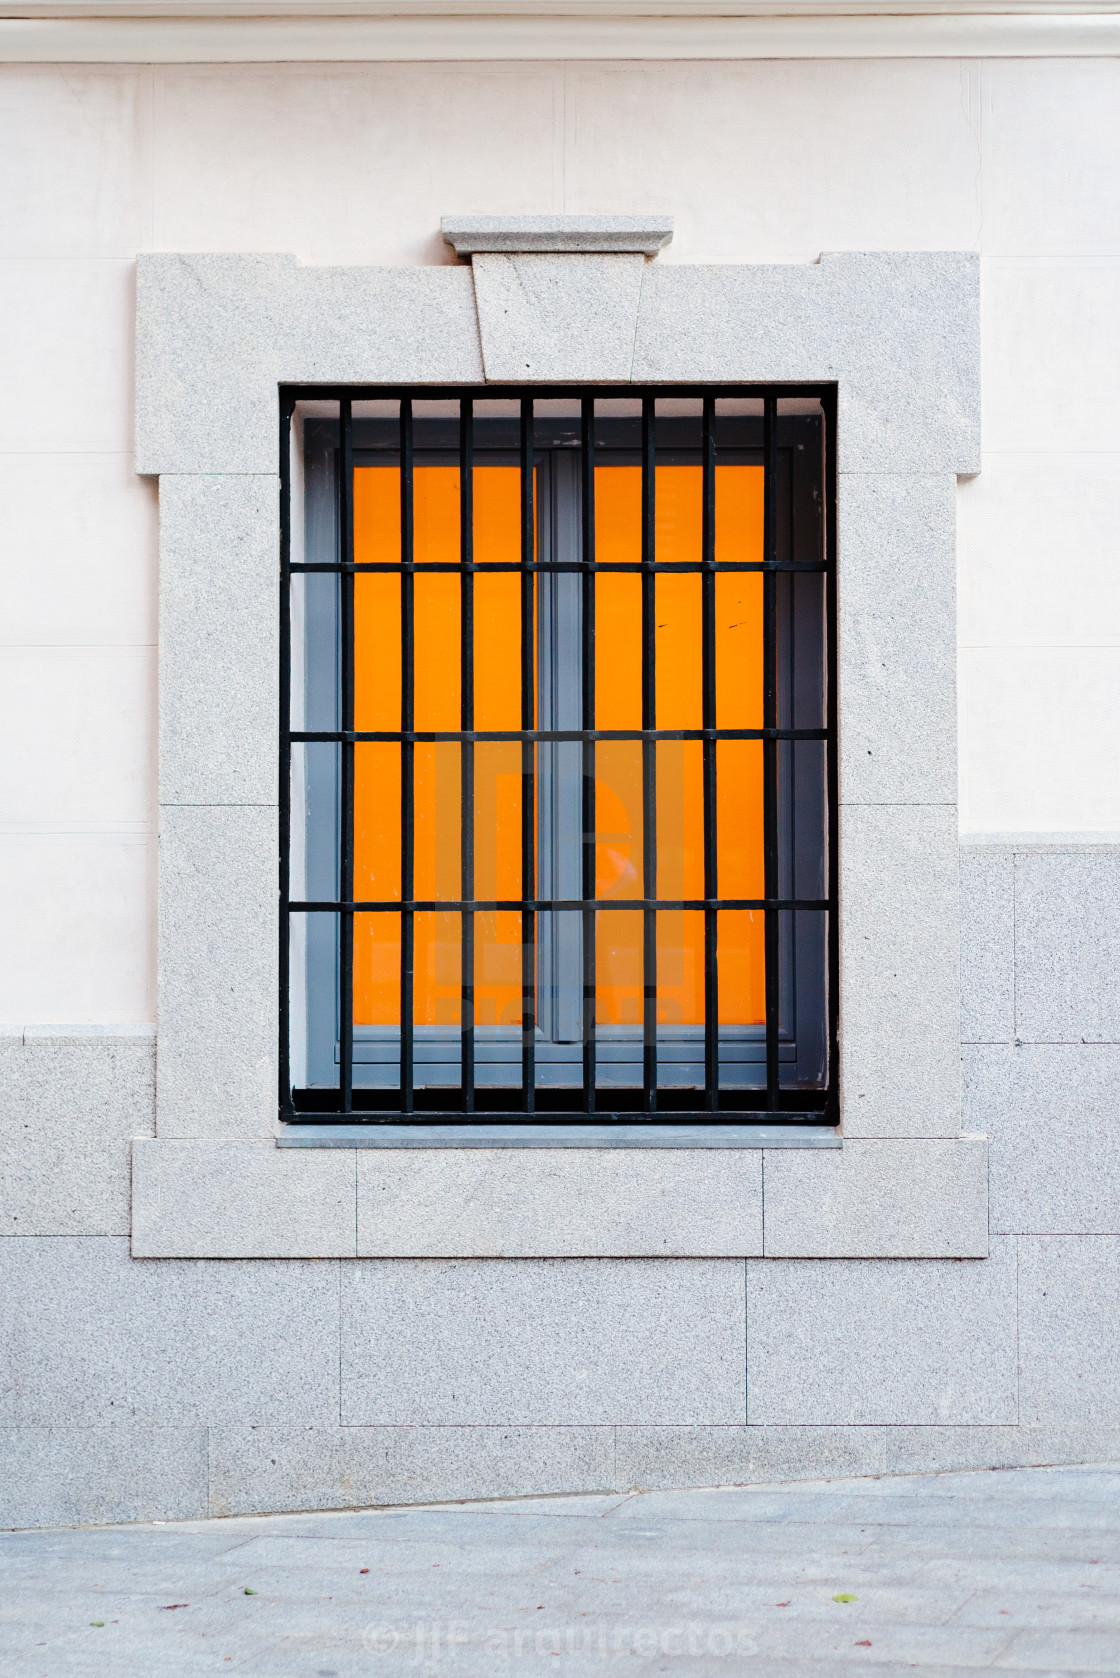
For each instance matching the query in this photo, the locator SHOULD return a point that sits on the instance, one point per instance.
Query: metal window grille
(789, 432)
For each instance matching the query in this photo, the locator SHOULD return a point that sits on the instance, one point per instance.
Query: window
(558, 743)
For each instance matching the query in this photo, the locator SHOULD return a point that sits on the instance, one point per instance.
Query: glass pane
(740, 507)
(741, 966)
(678, 514)
(497, 651)
(377, 969)
(377, 653)
(739, 539)
(435, 515)
(802, 802)
(437, 981)
(803, 939)
(377, 600)
(497, 969)
(377, 822)
(618, 818)
(497, 820)
(618, 648)
(680, 819)
(313, 1017)
(497, 515)
(618, 967)
(437, 616)
(677, 640)
(313, 866)
(437, 870)
(680, 967)
(740, 852)
(739, 649)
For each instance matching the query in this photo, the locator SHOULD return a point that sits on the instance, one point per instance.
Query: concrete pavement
(1017, 1571)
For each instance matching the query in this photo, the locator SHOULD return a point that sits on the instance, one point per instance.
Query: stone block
(1069, 1321)
(1067, 923)
(900, 970)
(557, 318)
(218, 639)
(217, 334)
(750, 1456)
(568, 1342)
(89, 1336)
(216, 1071)
(261, 1468)
(987, 945)
(899, 331)
(865, 1342)
(95, 1476)
(896, 1198)
(1050, 1111)
(71, 1100)
(559, 1203)
(896, 640)
(240, 1199)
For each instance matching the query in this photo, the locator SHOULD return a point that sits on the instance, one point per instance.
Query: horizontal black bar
(499, 737)
(505, 393)
(681, 566)
(480, 905)
(682, 1116)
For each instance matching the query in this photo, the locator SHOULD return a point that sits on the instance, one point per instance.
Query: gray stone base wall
(164, 1388)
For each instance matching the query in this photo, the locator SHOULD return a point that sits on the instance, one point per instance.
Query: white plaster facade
(229, 1383)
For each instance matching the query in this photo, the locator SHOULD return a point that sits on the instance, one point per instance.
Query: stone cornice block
(641, 235)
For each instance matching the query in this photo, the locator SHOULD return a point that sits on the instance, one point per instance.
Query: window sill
(232, 1197)
(558, 1136)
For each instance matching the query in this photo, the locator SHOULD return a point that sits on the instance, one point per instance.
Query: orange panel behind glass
(497, 875)
(738, 598)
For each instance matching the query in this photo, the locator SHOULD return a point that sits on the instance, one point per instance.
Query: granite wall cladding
(141, 1388)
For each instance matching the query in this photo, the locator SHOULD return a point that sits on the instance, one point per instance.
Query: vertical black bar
(649, 760)
(528, 774)
(770, 746)
(829, 404)
(408, 665)
(708, 722)
(587, 651)
(346, 761)
(466, 767)
(285, 766)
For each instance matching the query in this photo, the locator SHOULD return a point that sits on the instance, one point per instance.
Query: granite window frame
(217, 338)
